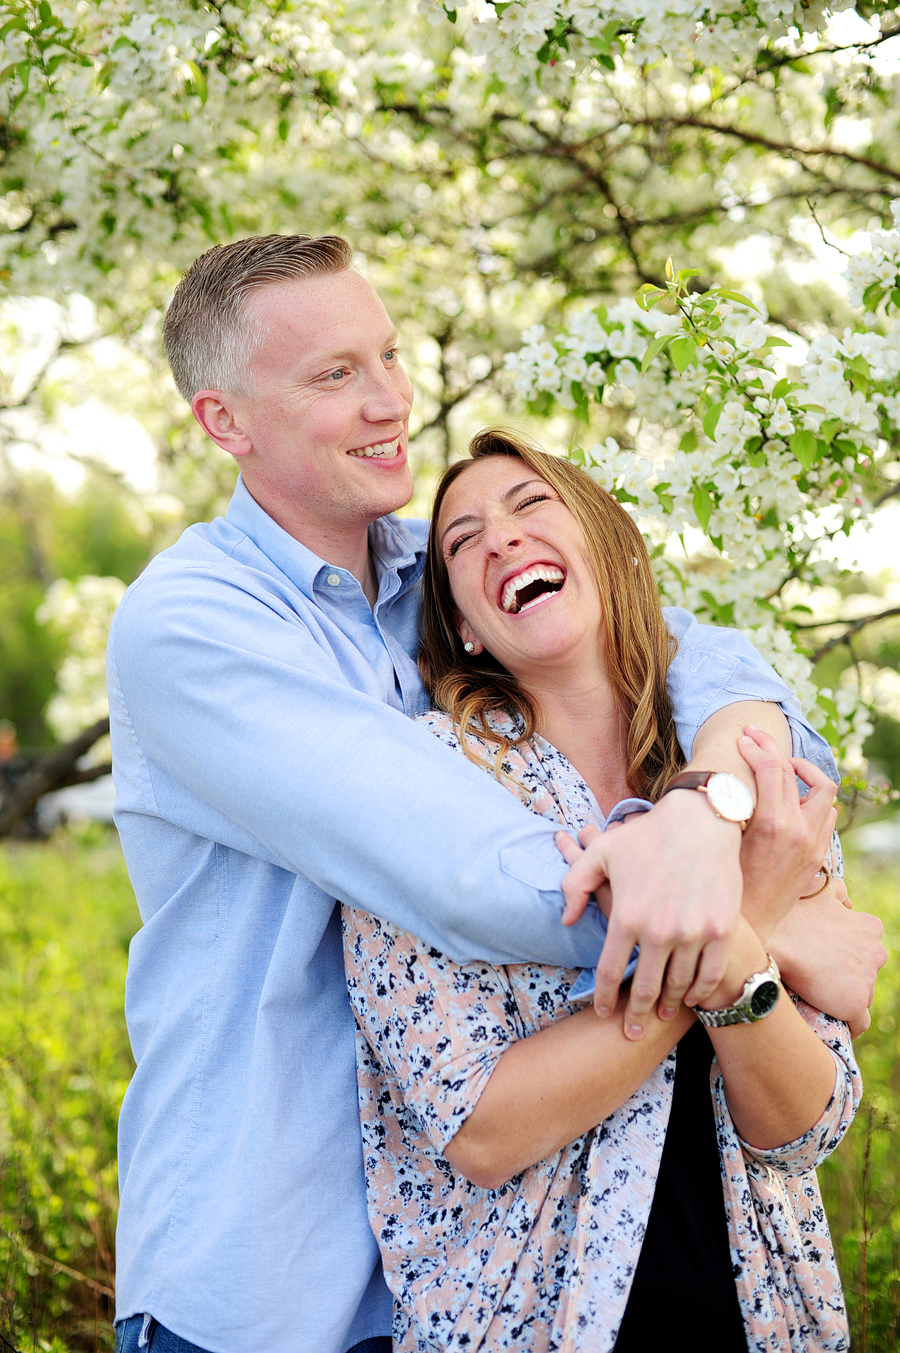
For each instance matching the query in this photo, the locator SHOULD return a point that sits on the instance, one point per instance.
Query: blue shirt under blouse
(266, 764)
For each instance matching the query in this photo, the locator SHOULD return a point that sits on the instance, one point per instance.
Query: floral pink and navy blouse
(545, 1262)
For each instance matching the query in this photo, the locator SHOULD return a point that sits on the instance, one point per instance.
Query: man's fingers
(611, 970)
(570, 850)
(588, 871)
(860, 1024)
(645, 988)
(711, 970)
(680, 974)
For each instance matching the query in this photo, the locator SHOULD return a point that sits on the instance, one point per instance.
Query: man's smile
(382, 450)
(533, 584)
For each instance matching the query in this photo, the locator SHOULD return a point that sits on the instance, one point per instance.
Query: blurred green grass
(66, 915)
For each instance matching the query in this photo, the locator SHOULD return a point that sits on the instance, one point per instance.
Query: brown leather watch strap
(690, 779)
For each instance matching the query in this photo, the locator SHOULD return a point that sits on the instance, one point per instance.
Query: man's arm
(233, 722)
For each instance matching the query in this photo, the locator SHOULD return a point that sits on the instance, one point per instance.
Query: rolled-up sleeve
(816, 1144)
(714, 668)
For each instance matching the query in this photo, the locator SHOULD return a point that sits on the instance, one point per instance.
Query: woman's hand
(788, 838)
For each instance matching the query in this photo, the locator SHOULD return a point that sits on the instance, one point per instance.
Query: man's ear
(466, 633)
(215, 413)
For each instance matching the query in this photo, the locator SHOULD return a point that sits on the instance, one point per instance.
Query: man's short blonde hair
(209, 337)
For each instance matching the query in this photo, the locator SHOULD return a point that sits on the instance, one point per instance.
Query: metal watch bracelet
(757, 1000)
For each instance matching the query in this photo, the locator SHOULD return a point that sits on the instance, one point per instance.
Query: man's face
(328, 417)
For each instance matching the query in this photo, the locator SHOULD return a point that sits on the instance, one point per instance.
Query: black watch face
(763, 998)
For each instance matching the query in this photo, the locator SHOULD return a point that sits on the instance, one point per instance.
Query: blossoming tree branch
(514, 178)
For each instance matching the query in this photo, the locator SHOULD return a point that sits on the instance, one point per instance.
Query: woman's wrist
(746, 957)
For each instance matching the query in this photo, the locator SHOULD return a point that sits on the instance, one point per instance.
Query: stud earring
(469, 647)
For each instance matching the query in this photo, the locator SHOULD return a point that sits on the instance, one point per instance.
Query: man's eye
(337, 375)
(390, 355)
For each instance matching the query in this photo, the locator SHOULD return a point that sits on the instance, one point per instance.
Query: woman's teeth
(513, 599)
(384, 450)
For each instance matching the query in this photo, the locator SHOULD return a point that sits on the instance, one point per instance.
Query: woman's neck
(583, 719)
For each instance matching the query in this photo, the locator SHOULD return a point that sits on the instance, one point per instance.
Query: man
(260, 674)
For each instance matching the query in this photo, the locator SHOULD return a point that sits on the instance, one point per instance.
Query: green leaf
(283, 129)
(648, 295)
(495, 86)
(773, 342)
(654, 348)
(198, 80)
(736, 296)
(665, 499)
(45, 12)
(803, 445)
(685, 273)
(104, 74)
(682, 351)
(828, 429)
(12, 26)
(784, 387)
(605, 61)
(711, 419)
(704, 503)
(688, 441)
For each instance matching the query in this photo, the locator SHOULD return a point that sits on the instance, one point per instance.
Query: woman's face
(519, 570)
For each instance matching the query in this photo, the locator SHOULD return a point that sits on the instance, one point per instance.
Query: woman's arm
(827, 953)
(551, 1087)
(779, 1076)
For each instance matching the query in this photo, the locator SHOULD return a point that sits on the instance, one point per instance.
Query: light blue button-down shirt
(265, 765)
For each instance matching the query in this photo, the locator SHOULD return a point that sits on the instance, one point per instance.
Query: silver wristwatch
(728, 797)
(758, 999)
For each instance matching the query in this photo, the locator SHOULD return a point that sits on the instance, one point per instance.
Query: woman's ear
(465, 632)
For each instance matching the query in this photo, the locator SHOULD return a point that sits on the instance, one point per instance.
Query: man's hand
(676, 885)
(830, 955)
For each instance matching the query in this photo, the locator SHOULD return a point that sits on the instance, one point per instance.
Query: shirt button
(333, 580)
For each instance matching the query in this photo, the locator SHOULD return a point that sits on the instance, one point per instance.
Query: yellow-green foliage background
(66, 916)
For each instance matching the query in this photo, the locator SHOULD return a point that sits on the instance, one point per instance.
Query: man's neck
(346, 545)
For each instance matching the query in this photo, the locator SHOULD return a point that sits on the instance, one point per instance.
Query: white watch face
(730, 797)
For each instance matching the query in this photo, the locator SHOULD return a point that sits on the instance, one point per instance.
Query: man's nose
(390, 397)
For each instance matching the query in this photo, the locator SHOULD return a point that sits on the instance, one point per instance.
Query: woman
(536, 1179)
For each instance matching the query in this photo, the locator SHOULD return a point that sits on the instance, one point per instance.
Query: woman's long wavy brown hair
(639, 648)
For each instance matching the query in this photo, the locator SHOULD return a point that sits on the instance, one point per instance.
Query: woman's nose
(502, 537)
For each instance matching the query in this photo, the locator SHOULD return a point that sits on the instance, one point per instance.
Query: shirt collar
(393, 544)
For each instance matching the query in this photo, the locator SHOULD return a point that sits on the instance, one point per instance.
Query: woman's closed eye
(533, 498)
(460, 540)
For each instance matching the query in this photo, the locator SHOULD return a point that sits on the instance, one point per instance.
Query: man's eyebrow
(509, 494)
(322, 363)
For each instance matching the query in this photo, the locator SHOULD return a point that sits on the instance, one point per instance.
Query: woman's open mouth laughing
(535, 582)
